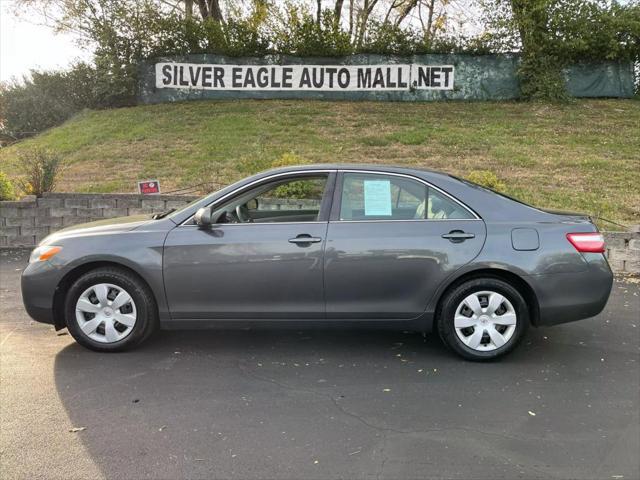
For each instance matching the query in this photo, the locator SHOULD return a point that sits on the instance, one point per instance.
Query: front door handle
(457, 236)
(304, 238)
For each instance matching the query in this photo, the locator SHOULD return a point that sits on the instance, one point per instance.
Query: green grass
(582, 156)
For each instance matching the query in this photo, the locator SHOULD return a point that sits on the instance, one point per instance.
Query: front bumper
(38, 284)
(567, 297)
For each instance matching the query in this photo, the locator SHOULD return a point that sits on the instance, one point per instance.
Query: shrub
(41, 169)
(389, 39)
(295, 189)
(288, 159)
(45, 99)
(297, 32)
(7, 191)
(487, 178)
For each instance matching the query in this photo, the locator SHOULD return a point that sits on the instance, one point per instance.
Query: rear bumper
(567, 297)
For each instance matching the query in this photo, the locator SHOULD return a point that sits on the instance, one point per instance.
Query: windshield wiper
(157, 216)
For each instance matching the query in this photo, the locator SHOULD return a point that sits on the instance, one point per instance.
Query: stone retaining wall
(24, 223)
(623, 251)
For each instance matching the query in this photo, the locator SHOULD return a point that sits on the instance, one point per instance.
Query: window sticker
(377, 198)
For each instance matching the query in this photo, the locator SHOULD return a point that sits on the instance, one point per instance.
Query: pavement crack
(333, 400)
(361, 419)
(380, 471)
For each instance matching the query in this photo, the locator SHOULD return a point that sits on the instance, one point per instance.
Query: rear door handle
(457, 236)
(304, 238)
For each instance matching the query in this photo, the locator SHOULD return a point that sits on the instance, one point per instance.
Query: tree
(210, 9)
(551, 34)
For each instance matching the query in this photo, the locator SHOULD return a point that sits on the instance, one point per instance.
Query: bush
(288, 160)
(488, 179)
(552, 34)
(45, 99)
(7, 191)
(297, 32)
(41, 169)
(389, 39)
(293, 189)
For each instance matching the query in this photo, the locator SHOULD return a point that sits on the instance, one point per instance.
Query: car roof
(357, 166)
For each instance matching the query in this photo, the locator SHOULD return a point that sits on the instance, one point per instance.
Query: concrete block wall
(26, 222)
(623, 251)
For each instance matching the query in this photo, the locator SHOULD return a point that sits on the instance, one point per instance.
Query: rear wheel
(483, 318)
(110, 309)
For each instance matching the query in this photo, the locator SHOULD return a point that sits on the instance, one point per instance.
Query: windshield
(176, 211)
(220, 188)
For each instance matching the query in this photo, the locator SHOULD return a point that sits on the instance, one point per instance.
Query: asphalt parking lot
(311, 404)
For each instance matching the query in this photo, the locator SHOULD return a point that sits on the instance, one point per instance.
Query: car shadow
(179, 404)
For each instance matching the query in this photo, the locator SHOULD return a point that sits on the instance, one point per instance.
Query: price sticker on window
(377, 198)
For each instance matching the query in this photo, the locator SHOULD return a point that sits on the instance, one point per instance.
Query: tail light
(587, 242)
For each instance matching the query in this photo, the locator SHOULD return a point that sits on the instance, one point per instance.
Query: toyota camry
(330, 245)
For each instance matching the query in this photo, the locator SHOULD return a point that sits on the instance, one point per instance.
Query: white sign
(377, 197)
(351, 78)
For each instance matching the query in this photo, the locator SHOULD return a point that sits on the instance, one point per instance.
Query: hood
(108, 225)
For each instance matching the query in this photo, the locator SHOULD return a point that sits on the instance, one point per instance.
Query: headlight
(43, 253)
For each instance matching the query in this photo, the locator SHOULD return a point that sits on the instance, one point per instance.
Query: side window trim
(337, 199)
(325, 204)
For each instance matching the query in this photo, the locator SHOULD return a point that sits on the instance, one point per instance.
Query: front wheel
(110, 309)
(483, 318)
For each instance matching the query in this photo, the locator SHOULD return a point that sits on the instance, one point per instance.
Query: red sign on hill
(149, 187)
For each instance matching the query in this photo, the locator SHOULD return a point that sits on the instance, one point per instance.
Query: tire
(461, 328)
(106, 325)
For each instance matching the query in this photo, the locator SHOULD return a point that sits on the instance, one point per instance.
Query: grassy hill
(583, 156)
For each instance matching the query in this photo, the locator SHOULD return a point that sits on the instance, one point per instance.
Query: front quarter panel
(139, 250)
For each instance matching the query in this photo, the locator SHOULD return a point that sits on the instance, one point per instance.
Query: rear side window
(442, 207)
(389, 197)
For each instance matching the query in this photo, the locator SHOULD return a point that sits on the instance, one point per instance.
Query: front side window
(389, 197)
(291, 200)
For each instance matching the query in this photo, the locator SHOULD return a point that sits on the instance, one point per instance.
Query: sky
(25, 45)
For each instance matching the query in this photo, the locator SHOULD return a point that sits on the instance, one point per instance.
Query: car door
(266, 262)
(392, 239)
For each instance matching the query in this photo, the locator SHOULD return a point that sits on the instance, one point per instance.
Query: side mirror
(252, 204)
(203, 217)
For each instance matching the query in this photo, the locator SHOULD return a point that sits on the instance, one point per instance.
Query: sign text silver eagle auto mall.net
(304, 77)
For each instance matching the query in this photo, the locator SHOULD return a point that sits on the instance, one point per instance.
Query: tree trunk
(337, 13)
(391, 8)
(318, 11)
(216, 10)
(406, 10)
(364, 19)
(431, 6)
(210, 9)
(188, 9)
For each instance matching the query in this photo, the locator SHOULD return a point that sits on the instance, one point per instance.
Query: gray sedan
(326, 245)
